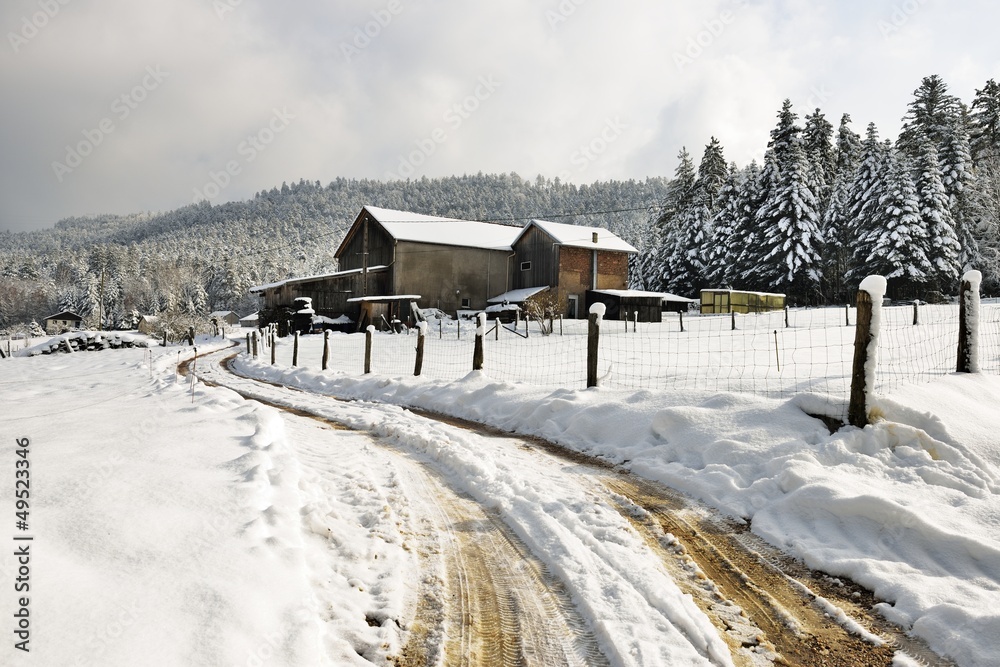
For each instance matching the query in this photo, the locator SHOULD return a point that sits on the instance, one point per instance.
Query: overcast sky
(118, 106)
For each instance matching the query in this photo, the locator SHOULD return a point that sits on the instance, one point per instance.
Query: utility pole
(364, 258)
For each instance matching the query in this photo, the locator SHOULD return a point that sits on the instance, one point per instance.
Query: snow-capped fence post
(870, 294)
(295, 349)
(326, 349)
(593, 338)
(968, 323)
(477, 350)
(847, 314)
(421, 335)
(368, 348)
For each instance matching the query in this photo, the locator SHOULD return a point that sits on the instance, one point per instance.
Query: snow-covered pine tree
(712, 173)
(747, 249)
(667, 225)
(789, 224)
(959, 179)
(723, 253)
(942, 247)
(931, 115)
(985, 121)
(817, 138)
(898, 238)
(867, 189)
(836, 216)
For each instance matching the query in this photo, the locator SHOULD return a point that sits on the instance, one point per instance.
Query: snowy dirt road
(532, 554)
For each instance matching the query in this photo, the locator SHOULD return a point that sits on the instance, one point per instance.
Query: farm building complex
(390, 260)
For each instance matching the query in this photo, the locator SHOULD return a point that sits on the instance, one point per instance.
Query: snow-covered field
(178, 527)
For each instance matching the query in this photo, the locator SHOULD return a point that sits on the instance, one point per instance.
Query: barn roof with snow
(578, 236)
(419, 228)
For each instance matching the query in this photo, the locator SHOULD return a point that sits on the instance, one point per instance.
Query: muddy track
(768, 606)
(485, 599)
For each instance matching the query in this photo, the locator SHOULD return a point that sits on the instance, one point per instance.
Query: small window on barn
(465, 303)
(526, 266)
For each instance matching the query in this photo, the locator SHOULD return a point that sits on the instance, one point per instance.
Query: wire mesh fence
(776, 354)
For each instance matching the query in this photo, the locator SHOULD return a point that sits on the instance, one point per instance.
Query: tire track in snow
(769, 607)
(501, 608)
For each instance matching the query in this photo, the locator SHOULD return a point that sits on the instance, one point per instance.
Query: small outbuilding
(250, 321)
(620, 304)
(149, 325)
(64, 321)
(715, 301)
(225, 316)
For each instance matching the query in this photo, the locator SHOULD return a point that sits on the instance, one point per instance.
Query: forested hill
(203, 257)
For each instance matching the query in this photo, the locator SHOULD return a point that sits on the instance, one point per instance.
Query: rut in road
(770, 608)
(500, 606)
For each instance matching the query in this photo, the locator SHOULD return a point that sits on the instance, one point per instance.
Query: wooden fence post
(477, 350)
(295, 349)
(916, 314)
(272, 347)
(865, 348)
(593, 338)
(163, 344)
(248, 344)
(560, 325)
(968, 323)
(421, 335)
(680, 317)
(732, 314)
(786, 317)
(368, 348)
(847, 315)
(253, 338)
(326, 349)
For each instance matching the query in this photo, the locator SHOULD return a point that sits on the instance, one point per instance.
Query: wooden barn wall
(536, 247)
(380, 248)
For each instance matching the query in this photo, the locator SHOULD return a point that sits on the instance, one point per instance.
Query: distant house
(60, 322)
(250, 321)
(225, 316)
(149, 324)
(571, 259)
